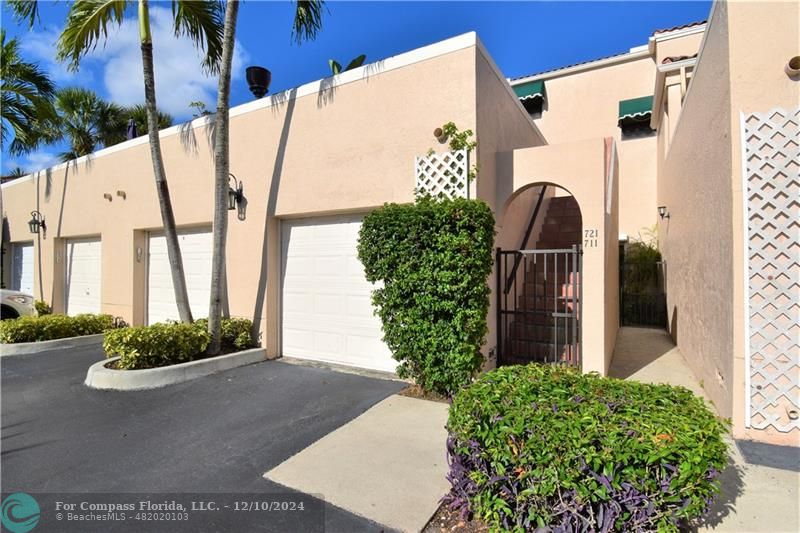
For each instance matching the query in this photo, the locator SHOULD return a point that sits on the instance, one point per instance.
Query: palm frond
(87, 23)
(203, 22)
(307, 20)
(24, 10)
(27, 95)
(357, 62)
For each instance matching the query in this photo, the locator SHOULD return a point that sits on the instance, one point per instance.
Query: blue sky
(522, 37)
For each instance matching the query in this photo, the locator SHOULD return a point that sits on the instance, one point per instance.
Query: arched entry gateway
(538, 269)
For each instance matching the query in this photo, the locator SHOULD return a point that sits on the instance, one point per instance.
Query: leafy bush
(42, 308)
(548, 447)
(433, 258)
(235, 333)
(50, 327)
(156, 345)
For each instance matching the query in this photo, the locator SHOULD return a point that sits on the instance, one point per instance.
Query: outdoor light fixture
(258, 79)
(235, 193)
(662, 212)
(36, 222)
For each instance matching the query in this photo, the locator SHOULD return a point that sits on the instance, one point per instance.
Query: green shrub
(50, 327)
(433, 258)
(156, 345)
(42, 308)
(548, 447)
(235, 333)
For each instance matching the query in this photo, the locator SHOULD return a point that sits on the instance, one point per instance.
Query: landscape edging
(100, 377)
(25, 348)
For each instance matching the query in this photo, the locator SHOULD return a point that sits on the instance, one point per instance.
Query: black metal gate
(538, 306)
(642, 299)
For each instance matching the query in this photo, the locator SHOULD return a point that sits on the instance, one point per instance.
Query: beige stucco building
(593, 150)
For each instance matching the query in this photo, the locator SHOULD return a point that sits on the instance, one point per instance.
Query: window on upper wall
(532, 96)
(634, 117)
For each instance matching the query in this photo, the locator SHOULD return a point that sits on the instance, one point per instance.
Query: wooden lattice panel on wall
(444, 175)
(771, 160)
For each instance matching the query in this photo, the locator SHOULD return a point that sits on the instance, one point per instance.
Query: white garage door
(82, 285)
(22, 267)
(196, 247)
(327, 309)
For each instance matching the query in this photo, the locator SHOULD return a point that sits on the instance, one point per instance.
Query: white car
(14, 304)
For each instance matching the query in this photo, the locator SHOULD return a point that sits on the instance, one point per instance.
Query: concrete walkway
(387, 465)
(754, 497)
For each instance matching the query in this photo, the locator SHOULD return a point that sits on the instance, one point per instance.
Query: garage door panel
(196, 251)
(327, 310)
(82, 276)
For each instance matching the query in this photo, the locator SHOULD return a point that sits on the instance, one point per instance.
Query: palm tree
(27, 95)
(139, 115)
(201, 21)
(118, 125)
(307, 23)
(82, 118)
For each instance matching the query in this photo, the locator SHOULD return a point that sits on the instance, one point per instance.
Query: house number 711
(590, 238)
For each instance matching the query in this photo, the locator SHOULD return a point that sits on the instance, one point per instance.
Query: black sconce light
(662, 212)
(235, 193)
(36, 222)
(258, 79)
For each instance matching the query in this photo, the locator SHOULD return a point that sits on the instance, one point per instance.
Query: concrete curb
(24, 348)
(100, 377)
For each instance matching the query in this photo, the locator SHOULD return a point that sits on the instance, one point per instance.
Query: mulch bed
(415, 391)
(446, 520)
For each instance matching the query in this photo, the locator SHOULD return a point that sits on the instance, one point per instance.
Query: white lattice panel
(772, 184)
(444, 175)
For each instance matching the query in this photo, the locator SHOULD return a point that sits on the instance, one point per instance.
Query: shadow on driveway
(214, 434)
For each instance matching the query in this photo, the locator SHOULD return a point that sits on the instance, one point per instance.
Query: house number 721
(590, 238)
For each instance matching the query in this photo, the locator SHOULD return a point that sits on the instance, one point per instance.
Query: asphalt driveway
(215, 434)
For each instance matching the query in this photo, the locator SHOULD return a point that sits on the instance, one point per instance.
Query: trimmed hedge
(157, 345)
(433, 259)
(541, 446)
(171, 343)
(51, 327)
(235, 333)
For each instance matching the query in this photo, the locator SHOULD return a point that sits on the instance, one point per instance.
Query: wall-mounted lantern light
(36, 222)
(662, 212)
(235, 193)
(258, 79)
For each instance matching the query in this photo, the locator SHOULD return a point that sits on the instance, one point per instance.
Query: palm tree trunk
(221, 176)
(164, 202)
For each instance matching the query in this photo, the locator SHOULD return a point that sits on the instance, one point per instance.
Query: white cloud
(179, 75)
(40, 46)
(178, 65)
(32, 162)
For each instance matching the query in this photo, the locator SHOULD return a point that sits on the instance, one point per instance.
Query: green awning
(530, 90)
(635, 109)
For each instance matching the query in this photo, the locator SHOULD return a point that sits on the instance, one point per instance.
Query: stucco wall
(586, 178)
(585, 105)
(700, 181)
(758, 83)
(502, 125)
(696, 241)
(349, 147)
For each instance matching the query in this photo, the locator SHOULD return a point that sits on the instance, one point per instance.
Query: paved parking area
(215, 434)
